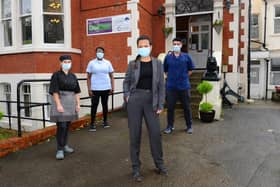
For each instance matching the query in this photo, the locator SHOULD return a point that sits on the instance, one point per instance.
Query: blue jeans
(184, 97)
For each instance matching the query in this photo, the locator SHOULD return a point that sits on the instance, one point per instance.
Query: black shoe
(106, 125)
(92, 128)
(137, 176)
(163, 171)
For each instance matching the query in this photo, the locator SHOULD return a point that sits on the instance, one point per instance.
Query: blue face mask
(66, 66)
(144, 51)
(176, 48)
(99, 55)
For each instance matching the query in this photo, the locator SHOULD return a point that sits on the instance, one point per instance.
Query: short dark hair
(99, 48)
(144, 37)
(177, 40)
(65, 57)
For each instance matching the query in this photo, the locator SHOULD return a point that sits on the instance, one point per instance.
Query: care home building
(34, 33)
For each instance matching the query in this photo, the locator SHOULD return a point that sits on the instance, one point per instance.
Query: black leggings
(104, 94)
(62, 134)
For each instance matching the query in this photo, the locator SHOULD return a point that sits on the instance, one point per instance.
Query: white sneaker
(59, 155)
(68, 149)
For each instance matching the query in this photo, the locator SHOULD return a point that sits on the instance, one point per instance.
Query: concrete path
(242, 150)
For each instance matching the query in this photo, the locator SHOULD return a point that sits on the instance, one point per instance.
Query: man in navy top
(178, 67)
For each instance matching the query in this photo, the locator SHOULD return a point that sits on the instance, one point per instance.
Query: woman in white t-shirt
(100, 81)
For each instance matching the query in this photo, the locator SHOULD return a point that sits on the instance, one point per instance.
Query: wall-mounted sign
(109, 25)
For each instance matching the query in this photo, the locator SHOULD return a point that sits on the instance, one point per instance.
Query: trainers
(168, 130)
(106, 125)
(163, 171)
(68, 149)
(137, 176)
(189, 130)
(59, 155)
(92, 128)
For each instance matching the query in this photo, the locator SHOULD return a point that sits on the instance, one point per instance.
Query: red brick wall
(151, 24)
(227, 35)
(115, 45)
(35, 62)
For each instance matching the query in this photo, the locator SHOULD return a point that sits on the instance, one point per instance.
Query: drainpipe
(264, 46)
(249, 51)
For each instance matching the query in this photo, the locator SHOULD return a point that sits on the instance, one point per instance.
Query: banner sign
(109, 25)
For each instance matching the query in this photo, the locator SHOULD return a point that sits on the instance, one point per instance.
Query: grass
(6, 133)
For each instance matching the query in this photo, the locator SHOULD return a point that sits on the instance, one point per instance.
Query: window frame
(255, 26)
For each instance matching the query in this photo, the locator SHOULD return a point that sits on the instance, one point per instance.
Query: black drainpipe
(249, 51)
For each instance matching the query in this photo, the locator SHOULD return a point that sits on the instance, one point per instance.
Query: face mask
(144, 51)
(100, 55)
(66, 66)
(176, 48)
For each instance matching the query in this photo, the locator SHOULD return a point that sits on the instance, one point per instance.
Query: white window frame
(255, 27)
(199, 33)
(275, 18)
(21, 16)
(28, 94)
(38, 44)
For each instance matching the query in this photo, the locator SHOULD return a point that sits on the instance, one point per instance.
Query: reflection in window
(25, 6)
(53, 21)
(277, 20)
(275, 71)
(26, 99)
(53, 29)
(6, 21)
(26, 25)
(7, 27)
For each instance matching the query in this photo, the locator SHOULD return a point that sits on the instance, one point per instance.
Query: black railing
(19, 103)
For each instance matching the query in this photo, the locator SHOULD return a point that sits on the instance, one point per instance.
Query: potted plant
(206, 111)
(218, 24)
(1, 115)
(167, 31)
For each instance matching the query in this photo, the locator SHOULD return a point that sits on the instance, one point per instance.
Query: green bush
(205, 107)
(1, 115)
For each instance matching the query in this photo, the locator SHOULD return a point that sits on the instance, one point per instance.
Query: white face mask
(66, 66)
(99, 55)
(176, 48)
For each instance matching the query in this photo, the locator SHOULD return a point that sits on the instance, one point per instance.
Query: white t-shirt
(100, 69)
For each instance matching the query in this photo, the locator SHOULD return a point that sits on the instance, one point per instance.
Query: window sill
(11, 50)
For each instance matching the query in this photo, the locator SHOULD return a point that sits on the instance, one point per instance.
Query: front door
(199, 45)
(257, 80)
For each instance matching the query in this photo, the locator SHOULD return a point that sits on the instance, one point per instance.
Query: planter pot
(207, 117)
(218, 28)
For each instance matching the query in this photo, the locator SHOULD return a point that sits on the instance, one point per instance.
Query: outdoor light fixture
(227, 4)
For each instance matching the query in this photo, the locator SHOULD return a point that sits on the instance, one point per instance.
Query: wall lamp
(227, 4)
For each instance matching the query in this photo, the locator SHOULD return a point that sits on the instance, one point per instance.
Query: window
(48, 99)
(200, 37)
(26, 21)
(275, 71)
(6, 22)
(277, 20)
(26, 99)
(7, 95)
(53, 21)
(255, 26)
(50, 21)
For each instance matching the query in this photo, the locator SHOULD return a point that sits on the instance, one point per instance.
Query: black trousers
(104, 94)
(140, 106)
(62, 134)
(184, 97)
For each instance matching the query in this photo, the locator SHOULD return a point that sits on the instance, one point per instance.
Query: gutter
(249, 51)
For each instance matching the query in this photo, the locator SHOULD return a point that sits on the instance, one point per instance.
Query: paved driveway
(240, 150)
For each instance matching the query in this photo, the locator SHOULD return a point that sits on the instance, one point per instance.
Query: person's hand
(90, 93)
(111, 91)
(60, 108)
(158, 111)
(78, 108)
(126, 99)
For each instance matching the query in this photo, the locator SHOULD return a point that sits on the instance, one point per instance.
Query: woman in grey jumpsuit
(144, 93)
